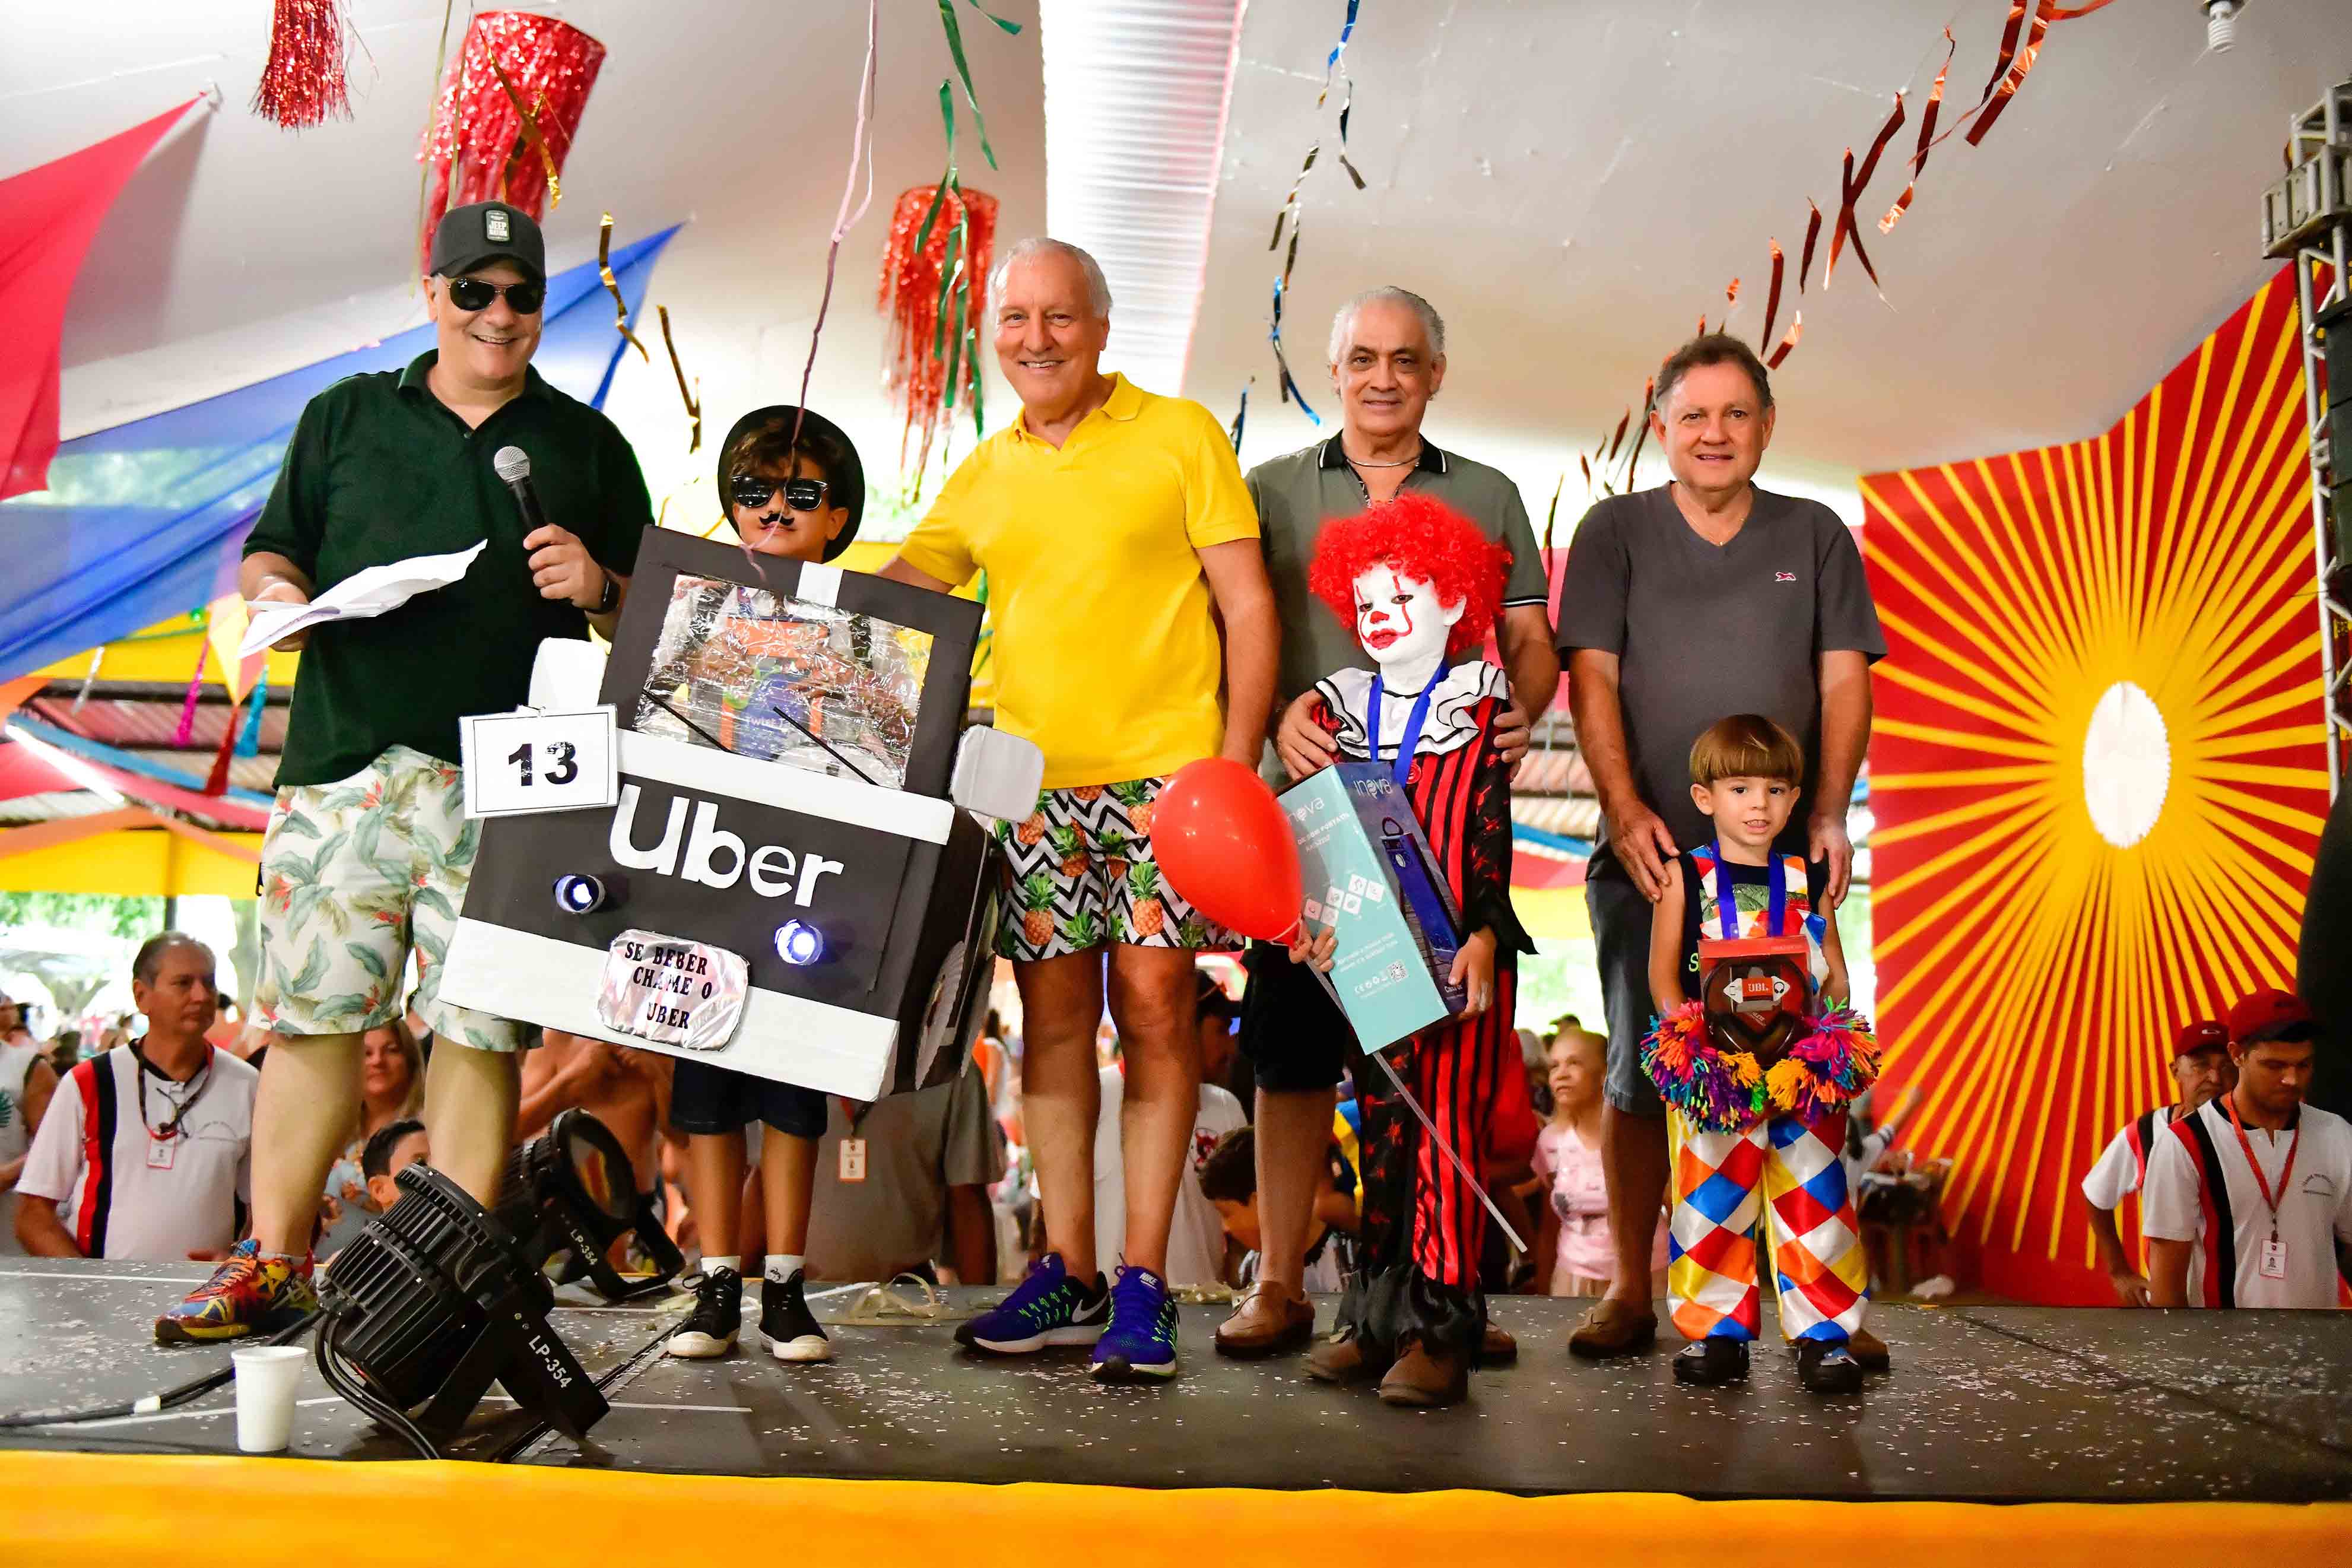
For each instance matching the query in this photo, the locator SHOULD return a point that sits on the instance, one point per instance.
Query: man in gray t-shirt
(1681, 605)
(914, 1189)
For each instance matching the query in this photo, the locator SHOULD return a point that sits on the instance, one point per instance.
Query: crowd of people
(1154, 606)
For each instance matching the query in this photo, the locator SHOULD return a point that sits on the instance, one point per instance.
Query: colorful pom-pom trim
(1728, 1091)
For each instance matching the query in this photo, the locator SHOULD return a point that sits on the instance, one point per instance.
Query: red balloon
(1222, 844)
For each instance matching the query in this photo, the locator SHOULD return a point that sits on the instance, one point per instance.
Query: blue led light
(798, 942)
(579, 895)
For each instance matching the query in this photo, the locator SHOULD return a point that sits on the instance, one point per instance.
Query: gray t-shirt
(917, 1147)
(1704, 631)
(1296, 494)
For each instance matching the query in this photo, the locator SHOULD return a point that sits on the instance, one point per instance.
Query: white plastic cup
(267, 1377)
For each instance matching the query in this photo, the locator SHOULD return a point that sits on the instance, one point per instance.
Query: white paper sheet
(360, 596)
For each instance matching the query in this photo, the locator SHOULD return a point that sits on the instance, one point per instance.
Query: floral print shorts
(356, 876)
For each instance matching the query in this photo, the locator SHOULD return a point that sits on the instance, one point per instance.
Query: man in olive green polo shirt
(1110, 523)
(1388, 360)
(368, 851)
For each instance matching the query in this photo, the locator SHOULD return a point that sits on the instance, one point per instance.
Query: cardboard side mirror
(996, 774)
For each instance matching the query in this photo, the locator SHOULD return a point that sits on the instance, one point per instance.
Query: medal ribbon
(1726, 904)
(1414, 721)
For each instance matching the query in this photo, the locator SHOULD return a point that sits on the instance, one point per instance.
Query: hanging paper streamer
(186, 728)
(861, 151)
(923, 309)
(305, 82)
(248, 739)
(963, 70)
(507, 115)
(692, 399)
(1927, 139)
(1241, 415)
(1292, 216)
(612, 287)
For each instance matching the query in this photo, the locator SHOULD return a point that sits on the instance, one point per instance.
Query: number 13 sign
(525, 762)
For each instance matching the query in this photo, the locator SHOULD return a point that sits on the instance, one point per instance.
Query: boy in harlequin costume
(1757, 1059)
(1421, 584)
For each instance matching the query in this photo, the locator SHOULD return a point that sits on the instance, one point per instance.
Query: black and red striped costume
(1418, 1250)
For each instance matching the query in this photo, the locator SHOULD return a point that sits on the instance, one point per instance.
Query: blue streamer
(248, 739)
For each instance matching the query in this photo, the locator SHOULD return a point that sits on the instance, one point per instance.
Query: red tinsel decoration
(505, 139)
(305, 82)
(909, 294)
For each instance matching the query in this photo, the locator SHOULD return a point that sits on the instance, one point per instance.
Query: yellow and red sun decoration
(2096, 773)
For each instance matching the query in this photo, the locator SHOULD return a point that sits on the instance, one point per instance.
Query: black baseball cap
(468, 236)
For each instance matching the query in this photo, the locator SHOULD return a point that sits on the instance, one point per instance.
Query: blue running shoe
(1140, 1344)
(1048, 1308)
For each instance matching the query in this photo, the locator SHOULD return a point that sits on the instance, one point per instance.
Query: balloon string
(1428, 1126)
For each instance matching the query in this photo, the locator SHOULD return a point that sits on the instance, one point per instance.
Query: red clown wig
(1421, 537)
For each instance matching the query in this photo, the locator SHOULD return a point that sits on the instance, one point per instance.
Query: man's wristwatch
(610, 599)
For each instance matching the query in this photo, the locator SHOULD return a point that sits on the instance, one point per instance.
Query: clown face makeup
(1402, 624)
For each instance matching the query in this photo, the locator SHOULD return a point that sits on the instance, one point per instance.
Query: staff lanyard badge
(852, 1147)
(161, 1151)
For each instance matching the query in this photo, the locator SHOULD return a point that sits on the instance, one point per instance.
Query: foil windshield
(784, 681)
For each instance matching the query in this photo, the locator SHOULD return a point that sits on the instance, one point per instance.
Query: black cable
(169, 1399)
(354, 1389)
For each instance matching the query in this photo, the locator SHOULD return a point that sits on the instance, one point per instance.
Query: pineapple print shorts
(354, 876)
(1080, 873)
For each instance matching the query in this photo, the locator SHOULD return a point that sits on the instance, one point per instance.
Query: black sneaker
(1826, 1366)
(1712, 1361)
(710, 1328)
(790, 1329)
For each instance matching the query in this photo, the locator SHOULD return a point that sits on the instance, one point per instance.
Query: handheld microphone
(513, 466)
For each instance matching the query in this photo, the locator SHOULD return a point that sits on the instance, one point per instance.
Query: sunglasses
(801, 495)
(476, 294)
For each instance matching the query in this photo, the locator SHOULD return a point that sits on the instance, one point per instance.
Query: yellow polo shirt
(1107, 655)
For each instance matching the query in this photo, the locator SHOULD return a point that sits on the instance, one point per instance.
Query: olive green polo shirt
(1299, 493)
(379, 470)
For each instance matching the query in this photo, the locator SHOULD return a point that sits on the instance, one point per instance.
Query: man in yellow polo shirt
(1114, 529)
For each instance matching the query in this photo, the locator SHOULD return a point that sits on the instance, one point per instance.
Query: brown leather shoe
(1614, 1328)
(1498, 1348)
(1268, 1321)
(1422, 1377)
(1869, 1350)
(1343, 1358)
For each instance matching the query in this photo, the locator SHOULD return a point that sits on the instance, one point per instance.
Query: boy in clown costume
(1757, 1059)
(1422, 585)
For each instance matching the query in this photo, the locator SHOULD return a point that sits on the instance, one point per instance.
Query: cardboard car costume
(784, 886)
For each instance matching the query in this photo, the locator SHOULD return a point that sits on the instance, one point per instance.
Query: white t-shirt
(15, 1063)
(2122, 1170)
(95, 1157)
(2199, 1188)
(1196, 1236)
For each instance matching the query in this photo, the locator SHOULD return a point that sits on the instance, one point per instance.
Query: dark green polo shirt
(380, 470)
(1299, 493)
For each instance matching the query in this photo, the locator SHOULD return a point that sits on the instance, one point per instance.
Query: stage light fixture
(578, 894)
(572, 1190)
(433, 1302)
(799, 942)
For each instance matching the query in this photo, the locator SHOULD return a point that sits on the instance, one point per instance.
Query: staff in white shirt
(2258, 1182)
(2200, 1069)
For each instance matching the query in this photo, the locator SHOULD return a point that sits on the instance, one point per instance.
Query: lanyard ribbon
(2230, 1104)
(1402, 771)
(1726, 904)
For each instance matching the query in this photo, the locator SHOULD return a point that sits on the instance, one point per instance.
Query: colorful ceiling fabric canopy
(144, 520)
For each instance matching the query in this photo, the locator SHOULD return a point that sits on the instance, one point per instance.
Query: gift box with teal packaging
(1369, 875)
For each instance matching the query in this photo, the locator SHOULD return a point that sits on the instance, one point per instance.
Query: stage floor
(1990, 1404)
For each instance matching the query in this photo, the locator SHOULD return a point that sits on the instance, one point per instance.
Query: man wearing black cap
(2258, 1185)
(2200, 1069)
(368, 852)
